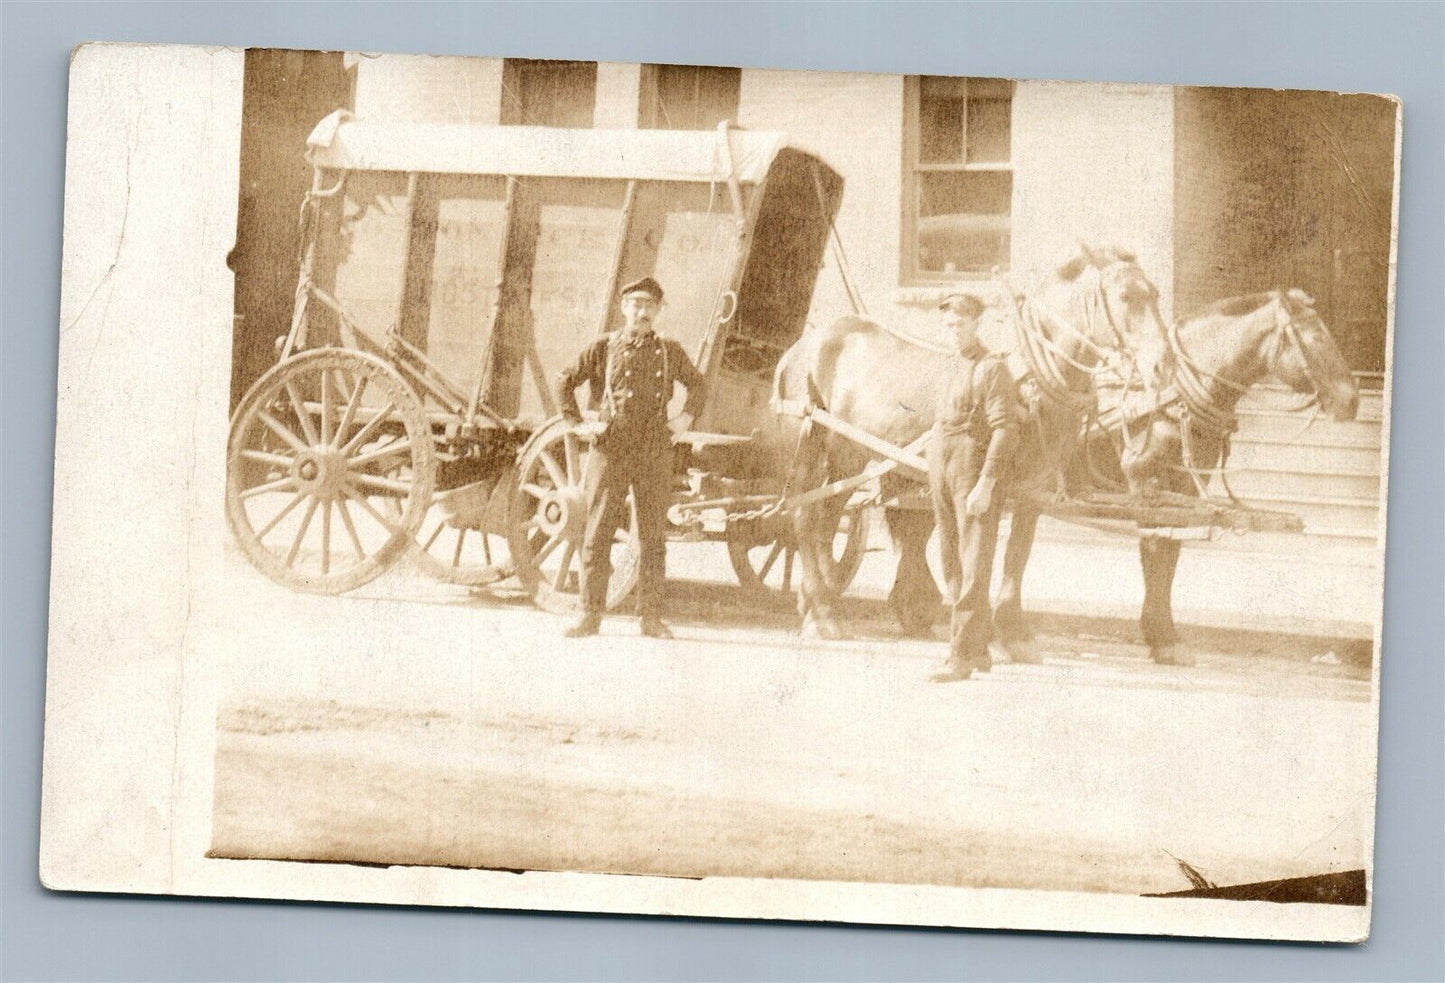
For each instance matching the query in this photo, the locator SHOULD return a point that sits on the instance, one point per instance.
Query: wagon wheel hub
(321, 472)
(563, 510)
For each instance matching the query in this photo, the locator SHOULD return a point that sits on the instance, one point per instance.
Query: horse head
(1301, 353)
(1112, 309)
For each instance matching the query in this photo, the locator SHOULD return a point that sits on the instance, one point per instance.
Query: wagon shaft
(1173, 511)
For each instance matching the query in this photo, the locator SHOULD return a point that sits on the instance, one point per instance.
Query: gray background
(1375, 48)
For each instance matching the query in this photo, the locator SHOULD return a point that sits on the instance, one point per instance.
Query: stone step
(1255, 452)
(1297, 427)
(1279, 399)
(1360, 486)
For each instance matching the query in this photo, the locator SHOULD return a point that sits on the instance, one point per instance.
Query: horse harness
(1190, 401)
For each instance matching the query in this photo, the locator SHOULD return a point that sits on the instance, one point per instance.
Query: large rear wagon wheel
(547, 517)
(764, 566)
(330, 466)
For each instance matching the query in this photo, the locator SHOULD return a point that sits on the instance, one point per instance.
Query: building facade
(952, 182)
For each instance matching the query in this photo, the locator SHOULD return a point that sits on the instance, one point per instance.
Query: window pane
(989, 130)
(548, 93)
(576, 244)
(471, 220)
(963, 221)
(370, 246)
(689, 97)
(940, 129)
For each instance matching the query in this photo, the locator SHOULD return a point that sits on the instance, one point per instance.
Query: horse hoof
(1173, 654)
(829, 631)
(952, 674)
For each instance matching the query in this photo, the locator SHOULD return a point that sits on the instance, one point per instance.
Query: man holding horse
(631, 373)
(974, 438)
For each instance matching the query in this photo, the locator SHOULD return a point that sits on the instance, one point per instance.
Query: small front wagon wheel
(547, 517)
(330, 467)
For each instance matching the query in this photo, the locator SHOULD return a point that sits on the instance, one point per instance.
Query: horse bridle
(1199, 404)
(1194, 389)
(1043, 353)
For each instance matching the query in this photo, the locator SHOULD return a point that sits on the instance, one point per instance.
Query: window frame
(909, 273)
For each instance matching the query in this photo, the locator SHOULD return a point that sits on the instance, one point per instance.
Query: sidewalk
(1319, 591)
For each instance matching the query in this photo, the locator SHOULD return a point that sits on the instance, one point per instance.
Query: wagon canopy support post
(614, 277)
(500, 383)
(418, 258)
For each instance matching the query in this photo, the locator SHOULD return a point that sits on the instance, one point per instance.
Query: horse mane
(1098, 256)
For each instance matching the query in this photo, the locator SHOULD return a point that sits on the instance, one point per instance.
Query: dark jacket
(981, 402)
(641, 371)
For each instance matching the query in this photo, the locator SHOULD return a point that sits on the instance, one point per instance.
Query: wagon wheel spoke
(398, 446)
(436, 534)
(351, 531)
(303, 417)
(268, 457)
(276, 519)
(773, 553)
(788, 558)
(385, 523)
(284, 432)
(457, 553)
(348, 415)
(326, 536)
(280, 484)
(326, 417)
(554, 470)
(565, 567)
(365, 432)
(569, 450)
(547, 548)
(536, 491)
(301, 533)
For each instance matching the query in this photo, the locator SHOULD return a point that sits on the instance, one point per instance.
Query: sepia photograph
(921, 499)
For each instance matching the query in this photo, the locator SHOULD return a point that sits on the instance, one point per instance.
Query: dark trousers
(966, 543)
(645, 467)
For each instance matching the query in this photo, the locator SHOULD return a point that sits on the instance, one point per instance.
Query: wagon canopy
(498, 250)
(344, 143)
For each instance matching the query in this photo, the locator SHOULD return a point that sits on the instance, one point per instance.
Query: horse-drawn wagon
(447, 273)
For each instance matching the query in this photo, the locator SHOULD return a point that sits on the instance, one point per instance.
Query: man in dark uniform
(975, 434)
(631, 373)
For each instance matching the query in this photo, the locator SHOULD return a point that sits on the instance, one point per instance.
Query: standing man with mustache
(631, 372)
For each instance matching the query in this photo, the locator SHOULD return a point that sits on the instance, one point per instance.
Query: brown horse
(1219, 354)
(1099, 307)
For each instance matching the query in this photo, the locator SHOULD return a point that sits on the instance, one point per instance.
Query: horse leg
(1011, 628)
(915, 599)
(1159, 557)
(815, 597)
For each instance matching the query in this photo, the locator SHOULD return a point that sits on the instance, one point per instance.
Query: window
(687, 97)
(548, 93)
(958, 177)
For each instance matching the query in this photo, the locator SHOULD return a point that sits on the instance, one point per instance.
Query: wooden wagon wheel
(547, 517)
(766, 565)
(463, 538)
(313, 495)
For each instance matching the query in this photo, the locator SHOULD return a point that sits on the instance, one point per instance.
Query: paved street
(415, 723)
